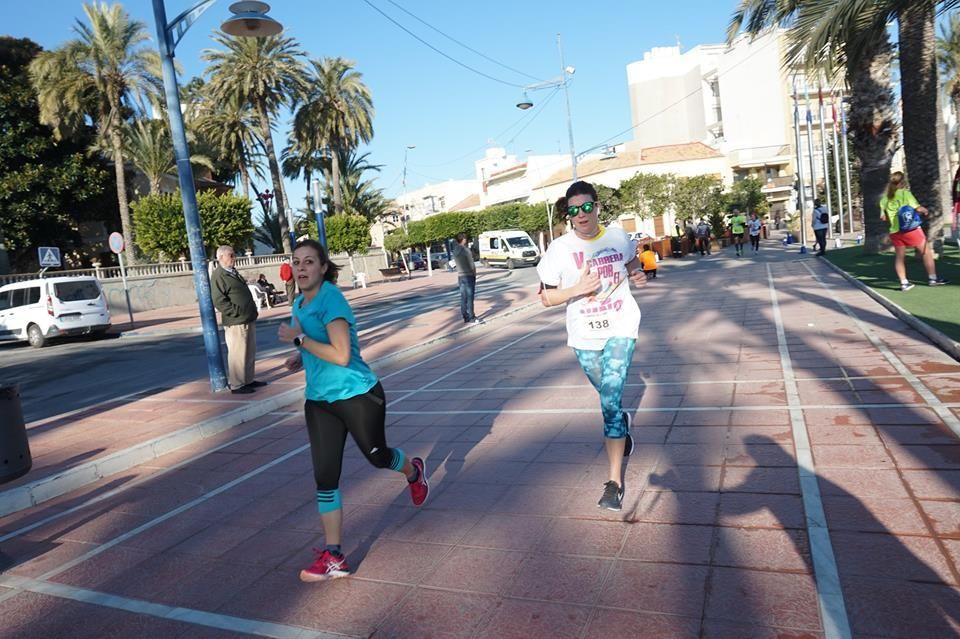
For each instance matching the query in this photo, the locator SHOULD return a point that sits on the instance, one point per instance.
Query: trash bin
(15, 459)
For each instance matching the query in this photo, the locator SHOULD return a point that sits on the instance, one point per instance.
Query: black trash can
(15, 459)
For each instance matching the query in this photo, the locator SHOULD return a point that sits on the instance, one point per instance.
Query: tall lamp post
(318, 214)
(525, 103)
(249, 19)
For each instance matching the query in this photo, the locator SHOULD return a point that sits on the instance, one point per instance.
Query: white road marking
(833, 610)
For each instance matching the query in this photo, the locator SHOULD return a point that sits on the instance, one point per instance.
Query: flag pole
(836, 160)
(813, 164)
(826, 164)
(846, 163)
(801, 194)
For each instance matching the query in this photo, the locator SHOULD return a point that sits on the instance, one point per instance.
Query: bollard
(15, 459)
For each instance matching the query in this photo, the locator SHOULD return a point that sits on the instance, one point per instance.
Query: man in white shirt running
(588, 270)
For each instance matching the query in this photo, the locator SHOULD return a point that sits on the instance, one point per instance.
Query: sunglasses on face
(586, 207)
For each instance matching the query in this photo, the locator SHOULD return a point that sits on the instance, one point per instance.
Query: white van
(508, 247)
(36, 310)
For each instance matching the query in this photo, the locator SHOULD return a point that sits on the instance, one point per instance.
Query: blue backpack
(909, 218)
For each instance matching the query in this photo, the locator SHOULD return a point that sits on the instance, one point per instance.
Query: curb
(35, 493)
(943, 341)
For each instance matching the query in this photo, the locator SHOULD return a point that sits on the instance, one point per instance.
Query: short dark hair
(581, 188)
(646, 247)
(332, 269)
(816, 202)
(461, 237)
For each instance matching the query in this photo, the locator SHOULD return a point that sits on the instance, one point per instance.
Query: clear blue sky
(424, 99)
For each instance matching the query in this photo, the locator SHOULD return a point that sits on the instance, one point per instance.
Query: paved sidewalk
(797, 475)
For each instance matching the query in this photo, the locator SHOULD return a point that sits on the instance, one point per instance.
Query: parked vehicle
(440, 261)
(509, 248)
(38, 310)
(414, 261)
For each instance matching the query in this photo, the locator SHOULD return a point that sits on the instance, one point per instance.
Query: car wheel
(510, 264)
(484, 263)
(35, 336)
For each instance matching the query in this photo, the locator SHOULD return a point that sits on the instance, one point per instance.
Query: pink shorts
(914, 238)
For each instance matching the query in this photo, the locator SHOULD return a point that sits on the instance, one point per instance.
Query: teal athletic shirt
(328, 382)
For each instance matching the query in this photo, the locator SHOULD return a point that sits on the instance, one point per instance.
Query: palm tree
(360, 196)
(150, 148)
(101, 75)
(949, 55)
(266, 73)
(832, 33)
(337, 113)
(230, 127)
(924, 138)
(824, 34)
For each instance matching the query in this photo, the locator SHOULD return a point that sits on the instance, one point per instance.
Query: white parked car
(37, 310)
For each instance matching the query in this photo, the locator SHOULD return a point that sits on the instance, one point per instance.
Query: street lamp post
(249, 20)
(562, 82)
(265, 199)
(318, 214)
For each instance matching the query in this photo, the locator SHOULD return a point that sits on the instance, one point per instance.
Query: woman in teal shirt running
(342, 396)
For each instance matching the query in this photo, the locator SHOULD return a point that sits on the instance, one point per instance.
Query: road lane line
(833, 610)
(219, 490)
(163, 611)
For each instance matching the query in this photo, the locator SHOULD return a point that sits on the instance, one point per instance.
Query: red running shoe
(420, 488)
(326, 566)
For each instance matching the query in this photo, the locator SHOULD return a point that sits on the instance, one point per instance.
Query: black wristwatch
(298, 340)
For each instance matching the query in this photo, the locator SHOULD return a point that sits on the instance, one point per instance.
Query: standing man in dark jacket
(238, 312)
(466, 278)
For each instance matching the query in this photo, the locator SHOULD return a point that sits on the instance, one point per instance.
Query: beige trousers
(241, 353)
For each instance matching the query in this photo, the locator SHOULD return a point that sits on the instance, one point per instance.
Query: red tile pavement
(712, 541)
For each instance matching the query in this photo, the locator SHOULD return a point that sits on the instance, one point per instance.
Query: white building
(421, 203)
(683, 160)
(737, 99)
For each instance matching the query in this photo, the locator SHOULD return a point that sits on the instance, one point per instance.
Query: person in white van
(588, 270)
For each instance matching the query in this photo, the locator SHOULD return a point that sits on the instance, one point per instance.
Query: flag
(833, 113)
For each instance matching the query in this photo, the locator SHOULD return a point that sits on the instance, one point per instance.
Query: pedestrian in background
(286, 275)
(821, 221)
(703, 237)
(737, 227)
(466, 279)
(892, 209)
(238, 315)
(648, 262)
(343, 395)
(588, 271)
(754, 225)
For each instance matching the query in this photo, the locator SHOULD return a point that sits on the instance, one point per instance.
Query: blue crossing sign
(49, 256)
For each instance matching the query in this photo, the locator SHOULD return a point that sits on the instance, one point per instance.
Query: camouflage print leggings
(607, 371)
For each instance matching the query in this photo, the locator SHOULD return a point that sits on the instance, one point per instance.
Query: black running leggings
(755, 241)
(363, 416)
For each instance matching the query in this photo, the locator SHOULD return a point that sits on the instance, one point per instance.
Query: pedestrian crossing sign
(49, 256)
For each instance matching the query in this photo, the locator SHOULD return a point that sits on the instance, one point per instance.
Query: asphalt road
(72, 374)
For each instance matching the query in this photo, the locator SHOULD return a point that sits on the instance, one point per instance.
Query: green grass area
(938, 306)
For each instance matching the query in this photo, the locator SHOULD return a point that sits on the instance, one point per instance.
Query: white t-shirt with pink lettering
(613, 312)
